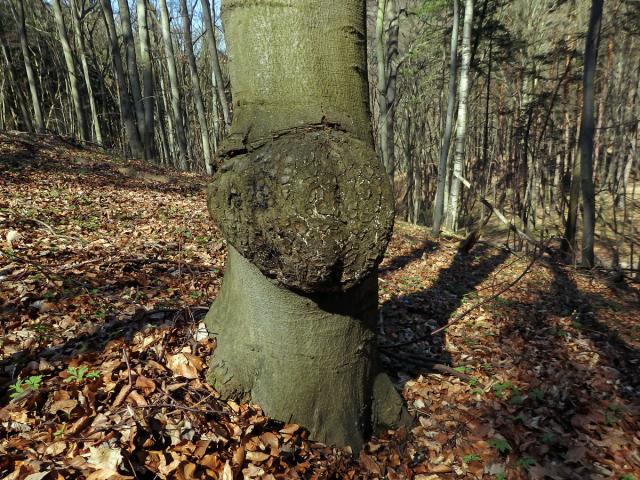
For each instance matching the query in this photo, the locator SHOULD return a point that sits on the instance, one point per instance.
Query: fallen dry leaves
(105, 277)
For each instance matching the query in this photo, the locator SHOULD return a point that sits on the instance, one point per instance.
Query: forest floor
(107, 268)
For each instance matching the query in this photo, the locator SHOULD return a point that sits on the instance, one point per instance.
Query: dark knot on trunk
(311, 209)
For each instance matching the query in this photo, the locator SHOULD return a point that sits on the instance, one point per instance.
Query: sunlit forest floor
(107, 268)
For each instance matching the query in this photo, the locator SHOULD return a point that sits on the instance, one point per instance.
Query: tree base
(305, 359)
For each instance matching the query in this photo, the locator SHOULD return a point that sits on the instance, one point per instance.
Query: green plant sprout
(81, 373)
(526, 462)
(472, 457)
(21, 386)
(500, 444)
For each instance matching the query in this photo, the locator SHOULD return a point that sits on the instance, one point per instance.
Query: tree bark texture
(176, 100)
(31, 78)
(147, 77)
(438, 209)
(195, 84)
(586, 133)
(307, 210)
(126, 108)
(71, 71)
(461, 126)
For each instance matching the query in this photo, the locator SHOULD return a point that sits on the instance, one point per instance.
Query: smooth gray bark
(307, 210)
(26, 56)
(461, 126)
(176, 97)
(77, 27)
(218, 80)
(71, 70)
(586, 132)
(438, 209)
(147, 77)
(126, 109)
(195, 84)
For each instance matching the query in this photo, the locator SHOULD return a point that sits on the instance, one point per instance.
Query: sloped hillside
(107, 268)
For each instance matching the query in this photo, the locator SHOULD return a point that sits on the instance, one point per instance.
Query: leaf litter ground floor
(107, 268)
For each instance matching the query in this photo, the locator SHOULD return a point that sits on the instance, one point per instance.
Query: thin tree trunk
(31, 78)
(586, 132)
(458, 164)
(386, 53)
(147, 78)
(71, 70)
(438, 210)
(176, 100)
(13, 84)
(126, 109)
(217, 71)
(132, 66)
(195, 83)
(77, 26)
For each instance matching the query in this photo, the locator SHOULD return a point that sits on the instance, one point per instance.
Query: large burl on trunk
(306, 208)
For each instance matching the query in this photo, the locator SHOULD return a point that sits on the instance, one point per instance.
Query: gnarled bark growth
(311, 209)
(307, 210)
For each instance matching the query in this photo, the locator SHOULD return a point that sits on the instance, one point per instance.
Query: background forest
(510, 132)
(490, 116)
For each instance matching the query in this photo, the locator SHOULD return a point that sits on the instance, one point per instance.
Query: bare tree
(76, 19)
(176, 97)
(461, 126)
(217, 71)
(71, 70)
(147, 77)
(26, 56)
(438, 208)
(126, 108)
(195, 84)
(586, 132)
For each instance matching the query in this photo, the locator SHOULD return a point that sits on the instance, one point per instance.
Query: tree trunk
(132, 66)
(176, 101)
(386, 53)
(197, 92)
(586, 132)
(126, 110)
(71, 70)
(307, 209)
(458, 163)
(77, 26)
(13, 84)
(438, 209)
(218, 80)
(31, 78)
(147, 78)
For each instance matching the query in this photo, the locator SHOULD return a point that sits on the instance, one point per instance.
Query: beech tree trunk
(586, 133)
(438, 209)
(217, 71)
(126, 109)
(195, 83)
(461, 126)
(147, 77)
(306, 208)
(132, 66)
(77, 27)
(71, 71)
(176, 101)
(20, 100)
(31, 78)
(386, 53)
